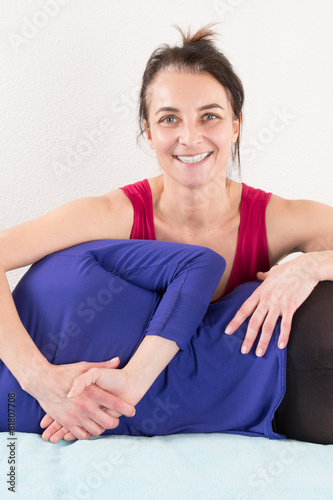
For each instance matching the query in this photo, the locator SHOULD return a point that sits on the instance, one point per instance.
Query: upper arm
(85, 219)
(297, 226)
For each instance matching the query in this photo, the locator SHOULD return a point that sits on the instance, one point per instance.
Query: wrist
(32, 377)
(135, 386)
(319, 265)
(152, 356)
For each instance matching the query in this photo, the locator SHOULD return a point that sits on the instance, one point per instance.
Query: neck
(197, 208)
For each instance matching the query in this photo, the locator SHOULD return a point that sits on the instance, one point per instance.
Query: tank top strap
(140, 196)
(252, 250)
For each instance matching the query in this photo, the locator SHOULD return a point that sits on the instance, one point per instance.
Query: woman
(191, 110)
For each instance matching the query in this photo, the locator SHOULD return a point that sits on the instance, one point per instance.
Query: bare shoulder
(120, 209)
(296, 226)
(117, 199)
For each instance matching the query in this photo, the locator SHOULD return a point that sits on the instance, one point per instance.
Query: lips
(193, 159)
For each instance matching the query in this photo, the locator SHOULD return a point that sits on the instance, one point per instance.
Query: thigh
(306, 412)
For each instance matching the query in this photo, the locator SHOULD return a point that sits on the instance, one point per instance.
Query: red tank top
(251, 251)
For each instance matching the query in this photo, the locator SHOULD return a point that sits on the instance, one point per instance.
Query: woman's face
(191, 126)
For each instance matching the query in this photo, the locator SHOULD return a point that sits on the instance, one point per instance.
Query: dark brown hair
(197, 54)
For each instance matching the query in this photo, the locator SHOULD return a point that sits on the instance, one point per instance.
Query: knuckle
(291, 305)
(263, 346)
(93, 371)
(286, 322)
(116, 404)
(97, 432)
(83, 434)
(249, 338)
(114, 423)
(92, 391)
(253, 322)
(240, 313)
(268, 328)
(246, 308)
(283, 339)
(82, 406)
(68, 421)
(268, 296)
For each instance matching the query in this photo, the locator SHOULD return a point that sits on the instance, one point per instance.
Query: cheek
(163, 139)
(222, 135)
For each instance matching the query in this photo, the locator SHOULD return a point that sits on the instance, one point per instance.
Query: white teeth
(193, 159)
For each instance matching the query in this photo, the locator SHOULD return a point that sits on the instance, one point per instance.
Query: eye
(210, 115)
(167, 118)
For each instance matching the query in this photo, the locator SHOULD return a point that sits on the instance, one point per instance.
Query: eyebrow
(175, 110)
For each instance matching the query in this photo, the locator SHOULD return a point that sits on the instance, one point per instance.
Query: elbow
(4, 253)
(3, 268)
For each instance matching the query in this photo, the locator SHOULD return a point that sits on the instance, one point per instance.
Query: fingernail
(114, 359)
(227, 330)
(244, 349)
(133, 413)
(281, 345)
(259, 352)
(71, 392)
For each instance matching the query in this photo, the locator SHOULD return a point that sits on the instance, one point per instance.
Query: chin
(194, 183)
(197, 179)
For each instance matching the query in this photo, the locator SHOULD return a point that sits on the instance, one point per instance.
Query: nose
(190, 134)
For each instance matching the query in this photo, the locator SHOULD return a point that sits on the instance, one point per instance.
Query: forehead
(182, 89)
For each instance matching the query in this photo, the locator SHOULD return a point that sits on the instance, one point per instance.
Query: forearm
(152, 356)
(17, 349)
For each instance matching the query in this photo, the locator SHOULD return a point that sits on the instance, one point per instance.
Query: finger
(267, 330)
(285, 328)
(103, 420)
(111, 402)
(82, 381)
(242, 314)
(51, 430)
(87, 429)
(58, 436)
(105, 417)
(56, 431)
(112, 413)
(103, 398)
(69, 437)
(46, 421)
(253, 328)
(112, 363)
(77, 433)
(91, 419)
(262, 276)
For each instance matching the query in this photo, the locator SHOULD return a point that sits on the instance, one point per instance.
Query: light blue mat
(193, 466)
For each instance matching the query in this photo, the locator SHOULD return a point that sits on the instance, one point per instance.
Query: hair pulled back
(197, 54)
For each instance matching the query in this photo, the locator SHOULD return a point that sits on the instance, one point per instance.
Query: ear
(236, 129)
(147, 129)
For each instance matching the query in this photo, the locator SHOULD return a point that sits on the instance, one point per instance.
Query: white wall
(70, 67)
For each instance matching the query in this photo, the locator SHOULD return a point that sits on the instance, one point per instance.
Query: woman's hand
(84, 416)
(129, 383)
(284, 288)
(116, 382)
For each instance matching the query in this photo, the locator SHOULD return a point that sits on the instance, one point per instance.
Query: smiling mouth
(193, 159)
